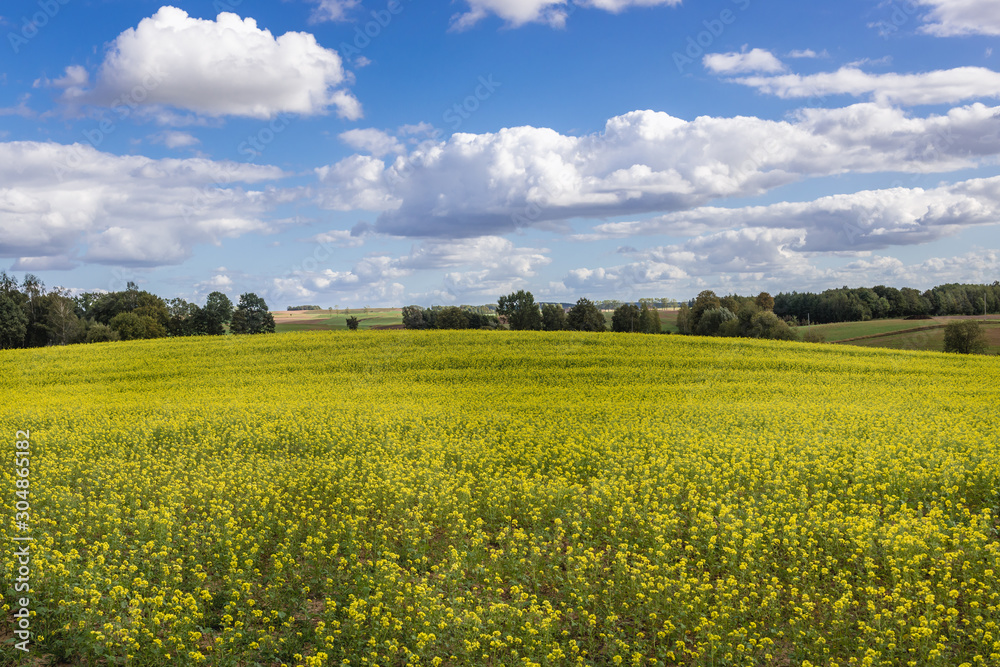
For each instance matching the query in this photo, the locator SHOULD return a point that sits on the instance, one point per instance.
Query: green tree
(352, 323)
(131, 326)
(254, 317)
(553, 317)
(100, 333)
(62, 322)
(13, 323)
(584, 316)
(712, 320)
(217, 313)
(964, 337)
(813, 336)
(705, 301)
(766, 324)
(238, 323)
(627, 318)
(520, 311)
(684, 325)
(186, 319)
(649, 320)
(152, 306)
(9, 285)
(452, 317)
(765, 301)
(413, 317)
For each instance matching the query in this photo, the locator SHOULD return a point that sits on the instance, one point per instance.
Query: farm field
(849, 331)
(839, 331)
(501, 498)
(930, 339)
(325, 320)
(386, 318)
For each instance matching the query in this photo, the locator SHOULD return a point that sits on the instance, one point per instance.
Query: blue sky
(367, 152)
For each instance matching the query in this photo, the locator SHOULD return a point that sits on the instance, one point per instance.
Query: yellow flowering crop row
(485, 498)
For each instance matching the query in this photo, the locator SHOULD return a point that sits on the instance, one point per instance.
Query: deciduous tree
(584, 316)
(627, 319)
(964, 337)
(520, 311)
(13, 323)
(251, 316)
(553, 317)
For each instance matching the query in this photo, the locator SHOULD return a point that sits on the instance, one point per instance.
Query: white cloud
(53, 263)
(332, 10)
(856, 222)
(373, 141)
(22, 109)
(747, 261)
(551, 12)
(355, 183)
(515, 12)
(755, 60)
(936, 87)
(616, 6)
(644, 161)
(75, 76)
(949, 18)
(481, 268)
(226, 67)
(806, 53)
(58, 201)
(174, 139)
(218, 282)
(342, 238)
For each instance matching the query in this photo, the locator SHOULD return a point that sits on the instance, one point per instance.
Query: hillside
(482, 497)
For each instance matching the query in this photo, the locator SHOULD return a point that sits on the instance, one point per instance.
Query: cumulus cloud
(936, 87)
(755, 60)
(949, 18)
(373, 141)
(472, 267)
(60, 201)
(644, 161)
(860, 221)
(682, 269)
(357, 182)
(749, 260)
(226, 67)
(551, 12)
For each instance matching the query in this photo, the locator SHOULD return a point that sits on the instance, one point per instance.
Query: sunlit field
(501, 498)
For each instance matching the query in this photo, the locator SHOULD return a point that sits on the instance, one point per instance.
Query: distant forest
(31, 316)
(863, 303)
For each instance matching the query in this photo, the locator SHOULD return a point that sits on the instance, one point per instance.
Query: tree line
(519, 311)
(31, 316)
(733, 316)
(871, 303)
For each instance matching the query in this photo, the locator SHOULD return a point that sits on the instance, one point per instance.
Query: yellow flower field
(500, 498)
